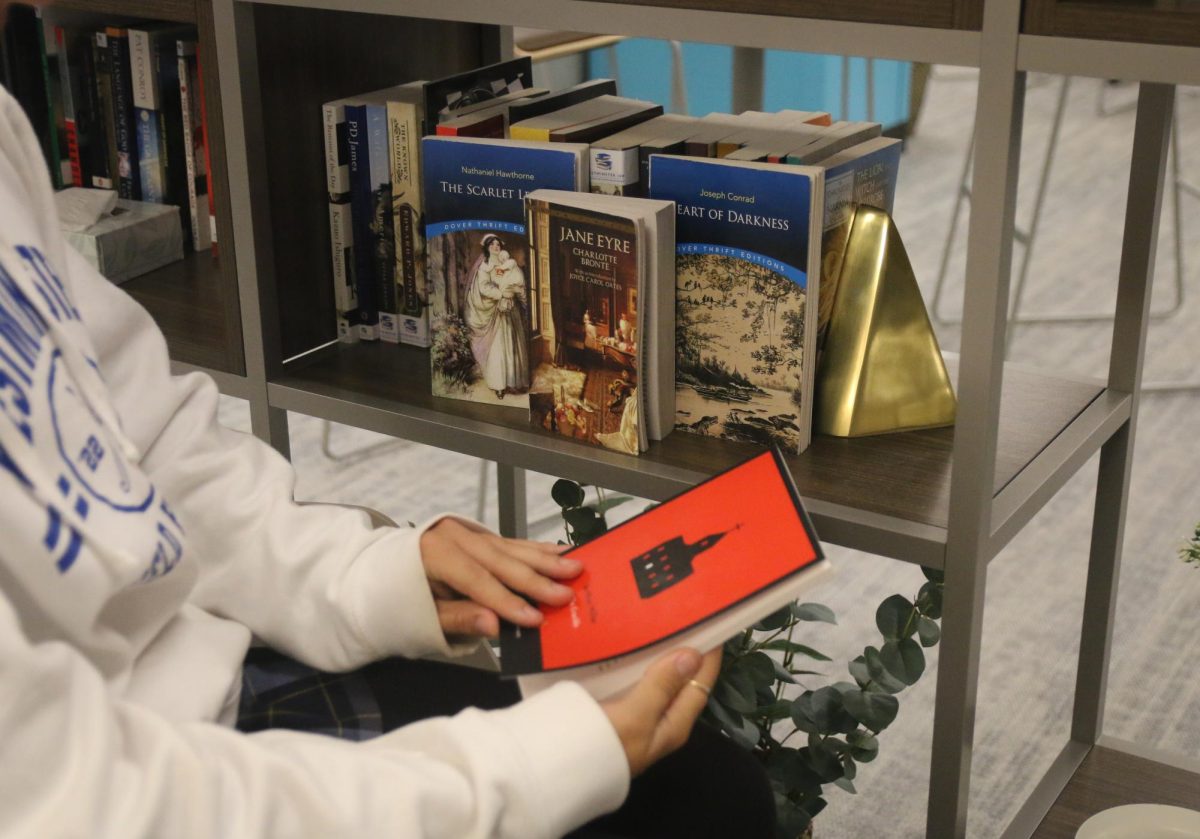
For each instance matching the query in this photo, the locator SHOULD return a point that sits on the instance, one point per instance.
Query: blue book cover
(362, 214)
(747, 264)
(481, 302)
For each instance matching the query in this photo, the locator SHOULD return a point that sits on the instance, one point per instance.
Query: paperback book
(747, 268)
(601, 270)
(478, 260)
(692, 571)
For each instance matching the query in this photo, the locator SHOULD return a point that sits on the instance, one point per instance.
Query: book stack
(690, 290)
(118, 107)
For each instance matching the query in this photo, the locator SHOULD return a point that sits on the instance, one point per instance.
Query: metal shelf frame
(980, 519)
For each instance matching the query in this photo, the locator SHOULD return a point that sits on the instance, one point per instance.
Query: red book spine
(212, 186)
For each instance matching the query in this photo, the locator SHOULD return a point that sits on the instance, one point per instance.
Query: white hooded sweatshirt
(141, 544)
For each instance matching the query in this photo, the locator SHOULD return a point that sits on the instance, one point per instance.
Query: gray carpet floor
(1035, 587)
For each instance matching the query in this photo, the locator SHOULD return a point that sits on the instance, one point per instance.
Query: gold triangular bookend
(881, 369)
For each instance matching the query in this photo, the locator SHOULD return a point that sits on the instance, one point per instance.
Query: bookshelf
(195, 301)
(945, 499)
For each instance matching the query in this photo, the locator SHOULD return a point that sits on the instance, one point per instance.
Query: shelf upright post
(237, 53)
(998, 117)
(1140, 244)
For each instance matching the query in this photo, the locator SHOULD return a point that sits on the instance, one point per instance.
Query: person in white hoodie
(143, 546)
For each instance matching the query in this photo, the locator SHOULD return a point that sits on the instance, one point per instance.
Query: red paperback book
(692, 571)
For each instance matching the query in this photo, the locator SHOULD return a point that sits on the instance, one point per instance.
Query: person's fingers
(690, 701)
(664, 680)
(519, 576)
(544, 558)
(462, 617)
(474, 582)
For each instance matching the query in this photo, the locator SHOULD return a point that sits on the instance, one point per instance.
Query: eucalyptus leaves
(1190, 552)
(807, 737)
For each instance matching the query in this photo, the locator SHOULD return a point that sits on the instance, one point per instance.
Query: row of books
(604, 321)
(118, 107)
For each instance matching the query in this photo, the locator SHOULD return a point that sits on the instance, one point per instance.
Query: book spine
(53, 103)
(106, 124)
(150, 162)
(404, 124)
(615, 171)
(143, 69)
(170, 128)
(95, 150)
(65, 71)
(205, 140)
(197, 192)
(342, 250)
(128, 182)
(361, 211)
(383, 228)
(520, 132)
(337, 152)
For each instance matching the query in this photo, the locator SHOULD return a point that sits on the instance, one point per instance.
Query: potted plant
(809, 732)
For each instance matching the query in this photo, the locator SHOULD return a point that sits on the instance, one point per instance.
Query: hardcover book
(601, 349)
(747, 276)
(692, 571)
(477, 259)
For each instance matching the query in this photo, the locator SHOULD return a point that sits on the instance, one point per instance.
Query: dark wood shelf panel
(942, 14)
(188, 299)
(181, 11)
(1110, 777)
(893, 481)
(1165, 22)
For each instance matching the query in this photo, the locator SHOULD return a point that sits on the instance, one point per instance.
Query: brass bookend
(881, 369)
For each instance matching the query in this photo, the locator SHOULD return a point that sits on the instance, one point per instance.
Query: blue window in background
(795, 80)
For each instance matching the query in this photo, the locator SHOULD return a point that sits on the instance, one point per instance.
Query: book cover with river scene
(747, 266)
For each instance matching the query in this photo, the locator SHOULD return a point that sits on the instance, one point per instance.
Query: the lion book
(601, 348)
(477, 260)
(747, 272)
(692, 571)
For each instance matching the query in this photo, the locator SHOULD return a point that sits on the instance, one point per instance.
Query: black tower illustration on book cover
(666, 564)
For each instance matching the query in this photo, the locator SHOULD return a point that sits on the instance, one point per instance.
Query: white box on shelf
(136, 238)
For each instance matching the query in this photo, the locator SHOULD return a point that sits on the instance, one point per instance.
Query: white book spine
(142, 70)
(197, 211)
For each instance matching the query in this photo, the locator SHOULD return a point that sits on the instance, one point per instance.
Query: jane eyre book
(601, 317)
(690, 572)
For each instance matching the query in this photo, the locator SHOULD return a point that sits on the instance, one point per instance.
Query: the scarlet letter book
(477, 259)
(693, 571)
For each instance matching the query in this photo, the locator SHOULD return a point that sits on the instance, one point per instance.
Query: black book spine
(128, 183)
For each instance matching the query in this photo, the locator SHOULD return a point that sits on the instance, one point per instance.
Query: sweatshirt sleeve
(75, 761)
(317, 582)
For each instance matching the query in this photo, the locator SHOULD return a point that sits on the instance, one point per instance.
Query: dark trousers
(709, 789)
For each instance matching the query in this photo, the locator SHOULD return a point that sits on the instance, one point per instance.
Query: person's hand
(475, 578)
(655, 717)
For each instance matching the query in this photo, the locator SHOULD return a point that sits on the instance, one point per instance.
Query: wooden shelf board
(1111, 777)
(181, 11)
(786, 32)
(186, 300)
(869, 490)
